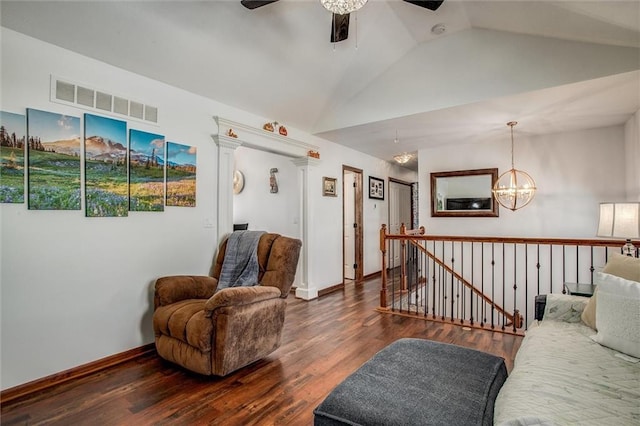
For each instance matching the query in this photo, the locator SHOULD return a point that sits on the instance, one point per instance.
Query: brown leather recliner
(216, 334)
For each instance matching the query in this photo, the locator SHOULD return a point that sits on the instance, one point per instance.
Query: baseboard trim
(340, 286)
(331, 289)
(74, 373)
(372, 275)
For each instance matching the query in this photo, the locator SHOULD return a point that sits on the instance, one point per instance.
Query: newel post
(383, 272)
(403, 259)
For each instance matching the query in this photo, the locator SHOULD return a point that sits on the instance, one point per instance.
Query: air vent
(103, 101)
(120, 105)
(85, 96)
(65, 92)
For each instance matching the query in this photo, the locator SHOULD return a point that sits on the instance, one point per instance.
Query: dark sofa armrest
(172, 289)
(540, 303)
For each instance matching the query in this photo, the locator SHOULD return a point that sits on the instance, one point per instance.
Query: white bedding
(562, 377)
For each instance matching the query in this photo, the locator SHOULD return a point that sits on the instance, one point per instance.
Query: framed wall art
(329, 187)
(13, 129)
(376, 188)
(105, 166)
(146, 171)
(181, 175)
(53, 155)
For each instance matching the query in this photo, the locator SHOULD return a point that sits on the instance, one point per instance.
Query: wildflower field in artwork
(54, 181)
(146, 195)
(11, 175)
(181, 192)
(106, 189)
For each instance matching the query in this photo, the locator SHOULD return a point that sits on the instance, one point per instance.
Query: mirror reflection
(464, 193)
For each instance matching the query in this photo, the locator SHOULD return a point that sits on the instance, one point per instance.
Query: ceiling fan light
(342, 7)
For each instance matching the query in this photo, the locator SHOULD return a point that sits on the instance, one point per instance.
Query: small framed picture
(329, 187)
(376, 188)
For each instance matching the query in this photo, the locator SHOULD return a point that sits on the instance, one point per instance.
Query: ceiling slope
(392, 73)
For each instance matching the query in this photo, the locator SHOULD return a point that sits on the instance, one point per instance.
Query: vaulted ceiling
(551, 65)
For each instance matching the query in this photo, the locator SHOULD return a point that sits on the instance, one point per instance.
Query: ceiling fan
(340, 22)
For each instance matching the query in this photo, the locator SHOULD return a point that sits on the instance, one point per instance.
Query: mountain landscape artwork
(53, 148)
(181, 175)
(146, 171)
(13, 129)
(105, 165)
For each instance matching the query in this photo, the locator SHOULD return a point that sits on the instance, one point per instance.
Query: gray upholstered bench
(417, 382)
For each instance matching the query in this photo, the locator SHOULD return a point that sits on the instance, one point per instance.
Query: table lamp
(620, 220)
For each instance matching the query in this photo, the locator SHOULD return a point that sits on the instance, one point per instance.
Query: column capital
(306, 161)
(224, 141)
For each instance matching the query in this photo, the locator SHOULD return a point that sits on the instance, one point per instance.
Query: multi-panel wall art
(120, 174)
(53, 153)
(146, 171)
(105, 165)
(12, 138)
(181, 175)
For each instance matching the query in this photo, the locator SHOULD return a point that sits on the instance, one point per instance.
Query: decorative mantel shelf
(275, 143)
(261, 139)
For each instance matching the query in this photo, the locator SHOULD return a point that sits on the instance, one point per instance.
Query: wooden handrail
(516, 240)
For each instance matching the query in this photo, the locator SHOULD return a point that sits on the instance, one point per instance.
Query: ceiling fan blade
(431, 5)
(254, 4)
(339, 27)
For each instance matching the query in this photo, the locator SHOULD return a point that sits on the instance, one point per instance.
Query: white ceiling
(277, 62)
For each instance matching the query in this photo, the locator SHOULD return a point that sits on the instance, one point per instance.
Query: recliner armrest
(237, 296)
(174, 288)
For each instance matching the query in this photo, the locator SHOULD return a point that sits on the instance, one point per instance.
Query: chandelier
(403, 158)
(514, 189)
(342, 7)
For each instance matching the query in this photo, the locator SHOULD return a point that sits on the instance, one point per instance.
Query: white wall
(256, 205)
(325, 233)
(76, 289)
(573, 172)
(632, 157)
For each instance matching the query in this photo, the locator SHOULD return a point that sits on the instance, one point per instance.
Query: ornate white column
(305, 290)
(226, 148)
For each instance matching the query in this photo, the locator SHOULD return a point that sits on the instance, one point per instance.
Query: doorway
(352, 236)
(400, 212)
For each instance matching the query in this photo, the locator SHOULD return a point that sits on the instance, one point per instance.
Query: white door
(399, 213)
(404, 204)
(349, 230)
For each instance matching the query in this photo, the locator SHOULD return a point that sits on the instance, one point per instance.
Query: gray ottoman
(417, 382)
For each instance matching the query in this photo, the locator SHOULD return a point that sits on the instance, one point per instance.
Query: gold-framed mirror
(464, 193)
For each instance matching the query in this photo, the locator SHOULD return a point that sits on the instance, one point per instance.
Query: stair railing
(482, 282)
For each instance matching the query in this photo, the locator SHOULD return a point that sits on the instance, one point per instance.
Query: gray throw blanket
(240, 266)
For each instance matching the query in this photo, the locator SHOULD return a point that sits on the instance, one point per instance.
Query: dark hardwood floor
(324, 341)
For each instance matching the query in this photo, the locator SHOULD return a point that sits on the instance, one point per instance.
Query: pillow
(618, 314)
(622, 266)
(588, 315)
(626, 267)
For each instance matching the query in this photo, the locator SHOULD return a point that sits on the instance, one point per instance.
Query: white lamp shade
(619, 220)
